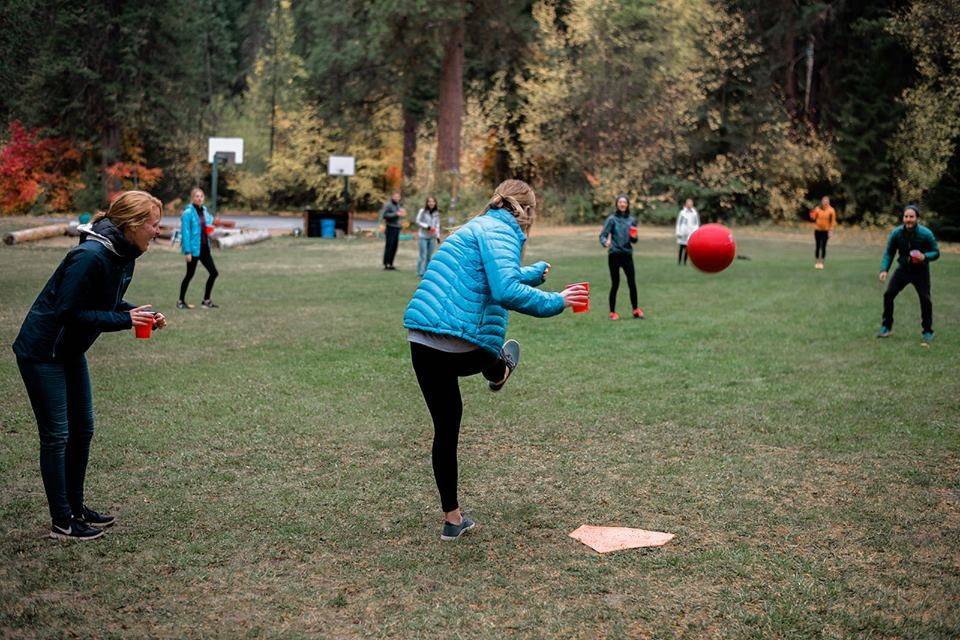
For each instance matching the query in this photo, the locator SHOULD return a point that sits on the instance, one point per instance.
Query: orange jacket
(824, 219)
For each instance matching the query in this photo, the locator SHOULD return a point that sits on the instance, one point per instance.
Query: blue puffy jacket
(475, 278)
(190, 229)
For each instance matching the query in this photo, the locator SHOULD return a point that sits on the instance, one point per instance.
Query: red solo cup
(143, 331)
(581, 308)
(210, 230)
(915, 256)
(633, 233)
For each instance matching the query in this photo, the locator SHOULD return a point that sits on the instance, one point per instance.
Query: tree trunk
(808, 91)
(450, 104)
(410, 125)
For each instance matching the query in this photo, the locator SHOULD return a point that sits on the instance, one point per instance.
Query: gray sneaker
(510, 354)
(453, 531)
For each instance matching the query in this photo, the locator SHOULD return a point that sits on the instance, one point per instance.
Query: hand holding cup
(577, 296)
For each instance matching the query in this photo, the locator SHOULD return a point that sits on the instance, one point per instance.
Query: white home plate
(607, 539)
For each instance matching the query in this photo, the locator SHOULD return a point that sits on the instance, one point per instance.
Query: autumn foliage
(37, 170)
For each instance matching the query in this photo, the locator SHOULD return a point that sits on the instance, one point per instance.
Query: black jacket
(82, 299)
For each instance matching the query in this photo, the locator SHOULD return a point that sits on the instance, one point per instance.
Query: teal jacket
(617, 228)
(903, 241)
(475, 278)
(190, 229)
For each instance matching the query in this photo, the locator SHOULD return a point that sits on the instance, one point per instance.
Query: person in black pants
(390, 215)
(195, 221)
(438, 374)
(82, 298)
(917, 248)
(619, 234)
(457, 320)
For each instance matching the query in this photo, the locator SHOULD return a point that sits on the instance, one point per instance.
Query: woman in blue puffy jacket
(457, 321)
(195, 243)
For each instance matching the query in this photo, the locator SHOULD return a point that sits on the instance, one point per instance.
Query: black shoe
(183, 305)
(94, 519)
(209, 304)
(76, 530)
(510, 354)
(452, 531)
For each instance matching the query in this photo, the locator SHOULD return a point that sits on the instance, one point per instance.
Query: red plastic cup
(210, 230)
(915, 256)
(581, 308)
(633, 233)
(143, 331)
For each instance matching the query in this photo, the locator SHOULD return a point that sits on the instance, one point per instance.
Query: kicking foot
(74, 530)
(884, 332)
(209, 304)
(926, 338)
(91, 518)
(638, 314)
(452, 531)
(183, 305)
(614, 315)
(510, 354)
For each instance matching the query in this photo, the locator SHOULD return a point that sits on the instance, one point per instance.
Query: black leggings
(682, 254)
(207, 260)
(821, 238)
(617, 261)
(438, 374)
(390, 247)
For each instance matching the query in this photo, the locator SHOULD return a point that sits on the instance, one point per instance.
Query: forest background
(753, 108)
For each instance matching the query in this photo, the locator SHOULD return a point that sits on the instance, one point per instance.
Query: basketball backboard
(225, 147)
(341, 165)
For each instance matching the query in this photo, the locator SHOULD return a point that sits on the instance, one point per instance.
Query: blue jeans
(63, 404)
(427, 247)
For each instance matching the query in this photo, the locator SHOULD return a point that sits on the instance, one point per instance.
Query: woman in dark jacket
(82, 299)
(619, 234)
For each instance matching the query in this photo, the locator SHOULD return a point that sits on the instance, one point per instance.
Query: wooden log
(239, 239)
(37, 233)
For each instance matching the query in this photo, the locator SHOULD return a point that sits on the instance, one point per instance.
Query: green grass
(269, 461)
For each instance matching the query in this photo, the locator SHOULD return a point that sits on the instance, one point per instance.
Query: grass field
(269, 461)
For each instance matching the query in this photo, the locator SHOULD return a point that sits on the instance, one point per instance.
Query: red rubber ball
(711, 248)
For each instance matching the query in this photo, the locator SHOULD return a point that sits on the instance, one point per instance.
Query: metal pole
(213, 187)
(346, 193)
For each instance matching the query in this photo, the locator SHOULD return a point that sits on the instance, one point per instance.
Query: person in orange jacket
(824, 220)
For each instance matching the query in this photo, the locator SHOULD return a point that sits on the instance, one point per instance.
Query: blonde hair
(130, 209)
(517, 197)
(193, 192)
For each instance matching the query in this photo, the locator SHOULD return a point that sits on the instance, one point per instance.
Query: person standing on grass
(688, 221)
(619, 234)
(428, 220)
(917, 248)
(195, 221)
(824, 221)
(457, 321)
(390, 216)
(82, 298)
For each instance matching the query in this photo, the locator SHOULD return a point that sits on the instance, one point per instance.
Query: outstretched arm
(500, 253)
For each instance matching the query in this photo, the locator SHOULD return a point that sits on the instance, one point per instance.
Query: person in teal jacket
(618, 236)
(457, 320)
(195, 244)
(915, 247)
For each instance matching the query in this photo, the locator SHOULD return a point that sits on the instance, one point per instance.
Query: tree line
(755, 109)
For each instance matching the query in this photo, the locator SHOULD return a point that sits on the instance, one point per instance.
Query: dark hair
(435, 202)
(915, 207)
